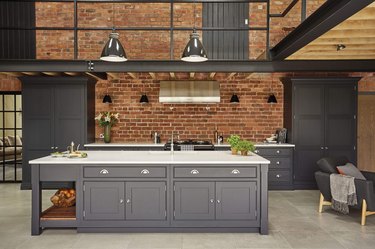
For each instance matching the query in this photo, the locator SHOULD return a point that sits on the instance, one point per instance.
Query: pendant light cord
(113, 17)
(195, 15)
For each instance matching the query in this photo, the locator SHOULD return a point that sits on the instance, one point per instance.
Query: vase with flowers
(107, 120)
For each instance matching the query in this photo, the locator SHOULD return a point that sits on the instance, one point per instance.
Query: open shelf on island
(59, 213)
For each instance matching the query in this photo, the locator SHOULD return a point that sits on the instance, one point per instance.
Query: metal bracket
(90, 66)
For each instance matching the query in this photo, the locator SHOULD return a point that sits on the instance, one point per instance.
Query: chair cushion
(327, 165)
(350, 170)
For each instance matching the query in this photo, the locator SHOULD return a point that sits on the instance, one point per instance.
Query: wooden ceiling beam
(73, 73)
(350, 33)
(13, 74)
(332, 57)
(212, 75)
(231, 75)
(153, 75)
(132, 75)
(114, 76)
(356, 24)
(32, 73)
(191, 75)
(53, 73)
(356, 40)
(329, 47)
(172, 75)
(98, 75)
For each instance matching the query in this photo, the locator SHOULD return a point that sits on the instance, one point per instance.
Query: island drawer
(273, 151)
(123, 172)
(280, 162)
(278, 176)
(213, 172)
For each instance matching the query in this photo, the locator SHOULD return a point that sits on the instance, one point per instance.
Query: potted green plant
(245, 146)
(107, 120)
(233, 141)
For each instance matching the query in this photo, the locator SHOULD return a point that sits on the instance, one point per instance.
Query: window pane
(9, 102)
(18, 119)
(1, 119)
(18, 102)
(1, 102)
(9, 120)
(19, 133)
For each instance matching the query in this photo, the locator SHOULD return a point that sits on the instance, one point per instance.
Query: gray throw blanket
(343, 192)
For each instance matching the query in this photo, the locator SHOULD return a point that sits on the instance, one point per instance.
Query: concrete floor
(294, 223)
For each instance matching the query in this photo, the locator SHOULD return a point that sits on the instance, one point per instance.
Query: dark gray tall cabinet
(56, 111)
(320, 115)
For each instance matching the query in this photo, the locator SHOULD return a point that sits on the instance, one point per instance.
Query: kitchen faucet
(172, 145)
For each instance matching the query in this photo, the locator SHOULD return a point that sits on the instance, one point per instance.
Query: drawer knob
(128, 201)
(104, 172)
(278, 152)
(212, 200)
(235, 172)
(121, 201)
(194, 172)
(277, 162)
(218, 201)
(145, 172)
(278, 176)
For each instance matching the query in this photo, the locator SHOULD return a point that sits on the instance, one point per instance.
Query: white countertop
(114, 145)
(156, 157)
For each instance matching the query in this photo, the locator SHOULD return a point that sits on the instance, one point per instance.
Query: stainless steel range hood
(189, 92)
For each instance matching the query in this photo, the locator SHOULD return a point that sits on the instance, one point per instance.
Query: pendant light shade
(113, 51)
(272, 98)
(107, 99)
(144, 99)
(194, 50)
(234, 99)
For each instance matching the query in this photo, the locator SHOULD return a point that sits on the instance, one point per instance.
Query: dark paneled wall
(17, 37)
(227, 45)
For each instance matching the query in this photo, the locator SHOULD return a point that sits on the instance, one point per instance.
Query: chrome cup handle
(104, 172)
(194, 172)
(235, 172)
(145, 172)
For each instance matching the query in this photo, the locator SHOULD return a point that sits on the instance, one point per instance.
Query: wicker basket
(64, 198)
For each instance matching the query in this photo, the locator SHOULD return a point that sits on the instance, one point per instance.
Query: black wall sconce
(107, 99)
(234, 99)
(272, 98)
(144, 99)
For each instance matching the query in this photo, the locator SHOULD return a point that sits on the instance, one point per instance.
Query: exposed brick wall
(9, 83)
(147, 44)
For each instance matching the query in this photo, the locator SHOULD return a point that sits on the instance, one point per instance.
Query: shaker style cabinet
(215, 200)
(124, 201)
(320, 115)
(56, 111)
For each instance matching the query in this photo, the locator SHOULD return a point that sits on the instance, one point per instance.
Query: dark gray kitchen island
(157, 191)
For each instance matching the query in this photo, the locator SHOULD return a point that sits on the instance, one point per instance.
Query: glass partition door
(10, 137)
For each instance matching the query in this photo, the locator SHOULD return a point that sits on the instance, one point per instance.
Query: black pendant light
(194, 50)
(113, 51)
(107, 99)
(144, 99)
(234, 99)
(272, 98)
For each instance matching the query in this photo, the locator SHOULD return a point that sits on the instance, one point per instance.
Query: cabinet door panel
(102, 200)
(236, 200)
(69, 115)
(340, 125)
(309, 131)
(194, 200)
(145, 200)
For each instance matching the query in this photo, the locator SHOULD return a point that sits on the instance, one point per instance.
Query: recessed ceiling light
(340, 47)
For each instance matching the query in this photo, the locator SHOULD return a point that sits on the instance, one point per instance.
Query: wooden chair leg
(322, 203)
(321, 200)
(364, 209)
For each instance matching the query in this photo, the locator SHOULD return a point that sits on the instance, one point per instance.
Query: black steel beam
(286, 11)
(151, 1)
(180, 66)
(325, 18)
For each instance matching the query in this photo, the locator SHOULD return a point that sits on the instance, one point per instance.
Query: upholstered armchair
(364, 188)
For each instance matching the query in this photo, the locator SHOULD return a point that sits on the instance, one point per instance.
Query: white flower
(117, 115)
(98, 117)
(107, 119)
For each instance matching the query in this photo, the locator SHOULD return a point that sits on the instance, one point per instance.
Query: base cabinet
(215, 200)
(125, 201)
(104, 201)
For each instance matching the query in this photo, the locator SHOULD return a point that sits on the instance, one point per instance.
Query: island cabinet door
(104, 201)
(236, 200)
(146, 200)
(194, 200)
